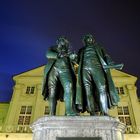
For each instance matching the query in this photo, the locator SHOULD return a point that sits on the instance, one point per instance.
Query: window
(23, 109)
(46, 112)
(120, 90)
(120, 111)
(127, 120)
(30, 90)
(25, 115)
(124, 117)
(126, 111)
(27, 120)
(21, 120)
(123, 114)
(29, 110)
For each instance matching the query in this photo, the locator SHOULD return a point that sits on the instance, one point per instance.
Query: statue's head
(63, 41)
(62, 44)
(88, 39)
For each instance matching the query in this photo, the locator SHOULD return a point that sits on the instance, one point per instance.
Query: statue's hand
(73, 57)
(62, 54)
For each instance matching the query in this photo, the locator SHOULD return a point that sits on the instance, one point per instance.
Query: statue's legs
(52, 101)
(99, 80)
(52, 82)
(66, 80)
(87, 80)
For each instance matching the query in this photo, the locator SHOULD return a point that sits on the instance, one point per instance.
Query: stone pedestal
(77, 128)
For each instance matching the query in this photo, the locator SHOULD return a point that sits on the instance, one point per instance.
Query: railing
(26, 129)
(17, 129)
(23, 129)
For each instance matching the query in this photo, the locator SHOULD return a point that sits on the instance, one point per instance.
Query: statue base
(77, 128)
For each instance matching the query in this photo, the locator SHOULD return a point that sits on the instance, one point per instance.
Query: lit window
(30, 90)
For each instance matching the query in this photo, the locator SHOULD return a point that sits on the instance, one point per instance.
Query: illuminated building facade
(27, 105)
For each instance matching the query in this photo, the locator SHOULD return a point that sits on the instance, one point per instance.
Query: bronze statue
(59, 77)
(95, 87)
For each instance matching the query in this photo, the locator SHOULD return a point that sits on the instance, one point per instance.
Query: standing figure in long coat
(59, 77)
(95, 87)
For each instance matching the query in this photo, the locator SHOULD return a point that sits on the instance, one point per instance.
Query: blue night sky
(28, 28)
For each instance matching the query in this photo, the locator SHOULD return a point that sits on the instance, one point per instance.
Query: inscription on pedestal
(79, 138)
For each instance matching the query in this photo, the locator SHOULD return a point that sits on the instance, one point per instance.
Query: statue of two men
(92, 90)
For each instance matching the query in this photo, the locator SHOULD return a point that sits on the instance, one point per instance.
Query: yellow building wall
(15, 136)
(35, 78)
(3, 113)
(131, 136)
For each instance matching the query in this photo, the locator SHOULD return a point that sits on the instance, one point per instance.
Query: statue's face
(89, 40)
(63, 44)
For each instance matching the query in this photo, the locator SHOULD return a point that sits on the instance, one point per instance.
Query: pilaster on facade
(10, 122)
(37, 103)
(134, 106)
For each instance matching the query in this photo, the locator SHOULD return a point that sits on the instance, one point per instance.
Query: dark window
(30, 90)
(46, 112)
(123, 115)
(23, 109)
(25, 115)
(120, 90)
